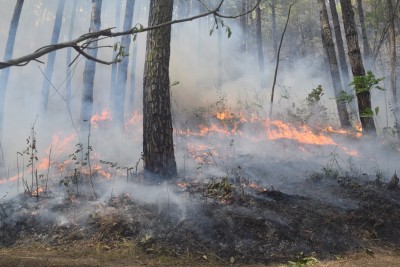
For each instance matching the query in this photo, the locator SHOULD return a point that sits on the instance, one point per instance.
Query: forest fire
(101, 119)
(303, 134)
(229, 124)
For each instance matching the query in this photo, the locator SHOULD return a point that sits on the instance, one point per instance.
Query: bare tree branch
(89, 37)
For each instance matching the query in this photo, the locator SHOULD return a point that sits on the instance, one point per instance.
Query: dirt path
(83, 255)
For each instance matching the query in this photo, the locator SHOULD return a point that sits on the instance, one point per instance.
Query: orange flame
(100, 118)
(279, 130)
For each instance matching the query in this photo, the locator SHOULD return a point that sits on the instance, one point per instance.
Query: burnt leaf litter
(233, 221)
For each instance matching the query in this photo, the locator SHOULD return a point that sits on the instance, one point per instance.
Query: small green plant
(314, 97)
(361, 84)
(311, 111)
(366, 83)
(302, 261)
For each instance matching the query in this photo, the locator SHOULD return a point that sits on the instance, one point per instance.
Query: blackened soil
(249, 227)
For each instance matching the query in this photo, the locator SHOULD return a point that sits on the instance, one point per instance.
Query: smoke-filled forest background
(257, 108)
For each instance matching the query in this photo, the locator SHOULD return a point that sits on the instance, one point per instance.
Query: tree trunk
(114, 67)
(12, 33)
(48, 73)
(274, 35)
(132, 88)
(69, 56)
(90, 67)
(393, 64)
(243, 24)
(260, 47)
(342, 54)
(122, 76)
(158, 145)
(219, 58)
(367, 49)
(357, 67)
(327, 42)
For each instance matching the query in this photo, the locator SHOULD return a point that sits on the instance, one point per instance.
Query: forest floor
(342, 221)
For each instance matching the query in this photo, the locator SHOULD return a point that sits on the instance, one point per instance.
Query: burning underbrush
(249, 190)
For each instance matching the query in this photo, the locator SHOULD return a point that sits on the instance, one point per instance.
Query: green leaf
(367, 113)
(376, 111)
(229, 32)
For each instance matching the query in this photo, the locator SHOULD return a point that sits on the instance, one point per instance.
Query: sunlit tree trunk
(51, 58)
(69, 55)
(329, 46)
(12, 33)
(122, 75)
(367, 49)
(357, 67)
(158, 145)
(260, 47)
(90, 67)
(344, 70)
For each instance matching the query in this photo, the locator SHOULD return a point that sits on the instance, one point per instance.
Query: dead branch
(79, 46)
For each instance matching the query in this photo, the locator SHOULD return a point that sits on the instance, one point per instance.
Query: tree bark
(51, 58)
(122, 76)
(327, 42)
(357, 67)
(158, 145)
(12, 33)
(367, 49)
(90, 67)
(69, 56)
(344, 70)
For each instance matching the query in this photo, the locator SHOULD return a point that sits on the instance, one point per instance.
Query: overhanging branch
(79, 47)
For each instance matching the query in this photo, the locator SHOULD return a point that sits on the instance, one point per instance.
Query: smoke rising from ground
(195, 65)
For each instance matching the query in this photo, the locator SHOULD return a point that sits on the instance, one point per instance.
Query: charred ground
(221, 220)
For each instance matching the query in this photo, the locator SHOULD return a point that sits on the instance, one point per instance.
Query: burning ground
(250, 191)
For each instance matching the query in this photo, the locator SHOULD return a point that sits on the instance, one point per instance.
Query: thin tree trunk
(342, 54)
(219, 58)
(243, 24)
(357, 67)
(273, 25)
(122, 76)
(393, 64)
(69, 56)
(327, 41)
(12, 33)
(51, 58)
(158, 145)
(278, 58)
(132, 88)
(260, 47)
(114, 67)
(90, 67)
(367, 49)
